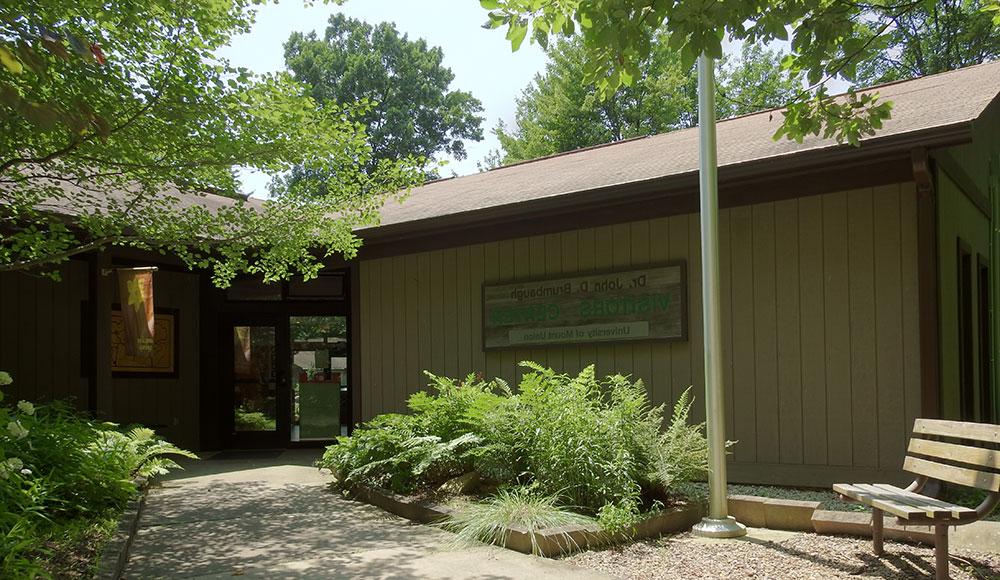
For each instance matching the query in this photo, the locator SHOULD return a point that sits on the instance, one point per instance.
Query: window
(966, 328)
(327, 286)
(986, 400)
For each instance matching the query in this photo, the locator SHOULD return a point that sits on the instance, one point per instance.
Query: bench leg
(941, 552)
(877, 521)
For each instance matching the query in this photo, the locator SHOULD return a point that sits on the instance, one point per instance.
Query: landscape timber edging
(860, 524)
(114, 555)
(774, 514)
(979, 536)
(752, 511)
(551, 542)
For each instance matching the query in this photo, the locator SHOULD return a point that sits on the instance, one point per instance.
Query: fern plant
(140, 451)
(683, 450)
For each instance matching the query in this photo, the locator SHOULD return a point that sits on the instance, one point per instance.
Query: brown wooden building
(857, 285)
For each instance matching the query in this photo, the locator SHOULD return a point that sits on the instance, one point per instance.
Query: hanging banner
(135, 287)
(242, 351)
(617, 306)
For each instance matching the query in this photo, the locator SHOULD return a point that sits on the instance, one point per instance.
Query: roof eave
(875, 149)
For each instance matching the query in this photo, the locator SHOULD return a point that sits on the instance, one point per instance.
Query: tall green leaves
(120, 116)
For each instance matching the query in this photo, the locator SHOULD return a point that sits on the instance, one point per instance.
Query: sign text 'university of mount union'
(635, 304)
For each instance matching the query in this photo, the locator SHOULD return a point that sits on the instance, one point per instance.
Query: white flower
(14, 464)
(25, 471)
(5, 378)
(26, 407)
(17, 431)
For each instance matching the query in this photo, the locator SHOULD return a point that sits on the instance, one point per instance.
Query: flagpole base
(719, 528)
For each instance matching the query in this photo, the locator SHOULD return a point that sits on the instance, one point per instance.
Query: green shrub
(59, 470)
(253, 421)
(594, 442)
(593, 445)
(682, 455)
(443, 414)
(395, 452)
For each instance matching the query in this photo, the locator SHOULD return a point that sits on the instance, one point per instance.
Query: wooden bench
(947, 451)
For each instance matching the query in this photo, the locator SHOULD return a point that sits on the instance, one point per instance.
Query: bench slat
(878, 500)
(952, 474)
(919, 507)
(928, 507)
(978, 456)
(975, 431)
(957, 512)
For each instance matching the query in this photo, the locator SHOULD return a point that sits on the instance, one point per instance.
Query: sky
(481, 59)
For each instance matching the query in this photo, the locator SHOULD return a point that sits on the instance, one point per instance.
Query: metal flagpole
(718, 523)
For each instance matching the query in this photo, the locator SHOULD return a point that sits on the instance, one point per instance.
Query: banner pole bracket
(110, 271)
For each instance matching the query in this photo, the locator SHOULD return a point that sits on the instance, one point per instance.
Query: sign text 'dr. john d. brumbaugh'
(611, 306)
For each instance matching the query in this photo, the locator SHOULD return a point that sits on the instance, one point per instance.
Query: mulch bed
(75, 558)
(798, 556)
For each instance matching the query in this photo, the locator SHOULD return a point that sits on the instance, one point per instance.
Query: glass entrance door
(256, 408)
(286, 380)
(318, 376)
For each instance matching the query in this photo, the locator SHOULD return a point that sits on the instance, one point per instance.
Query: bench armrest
(918, 484)
(984, 509)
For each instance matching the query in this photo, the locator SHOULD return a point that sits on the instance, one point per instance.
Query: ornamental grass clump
(588, 446)
(490, 521)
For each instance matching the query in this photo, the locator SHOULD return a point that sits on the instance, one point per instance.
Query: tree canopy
(413, 112)
(117, 119)
(557, 112)
(926, 40)
(828, 39)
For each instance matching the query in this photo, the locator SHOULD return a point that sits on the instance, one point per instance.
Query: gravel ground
(792, 556)
(962, 496)
(829, 499)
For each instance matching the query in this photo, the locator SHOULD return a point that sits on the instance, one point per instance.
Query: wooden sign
(625, 305)
(160, 361)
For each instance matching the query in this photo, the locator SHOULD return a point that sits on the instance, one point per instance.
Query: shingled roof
(921, 107)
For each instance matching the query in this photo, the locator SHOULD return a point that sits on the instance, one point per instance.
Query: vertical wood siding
(819, 310)
(168, 404)
(40, 335)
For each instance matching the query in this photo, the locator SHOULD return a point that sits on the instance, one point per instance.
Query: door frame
(278, 438)
(281, 438)
(216, 309)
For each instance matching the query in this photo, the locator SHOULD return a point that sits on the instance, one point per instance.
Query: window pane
(255, 385)
(319, 375)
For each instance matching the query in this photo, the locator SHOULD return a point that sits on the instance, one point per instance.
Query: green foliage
(253, 420)
(119, 114)
(827, 40)
(682, 455)
(932, 38)
(490, 520)
(558, 112)
(594, 445)
(402, 452)
(414, 112)
(396, 452)
(593, 441)
(58, 469)
(140, 452)
(620, 517)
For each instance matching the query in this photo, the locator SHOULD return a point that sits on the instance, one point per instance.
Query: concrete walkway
(276, 518)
